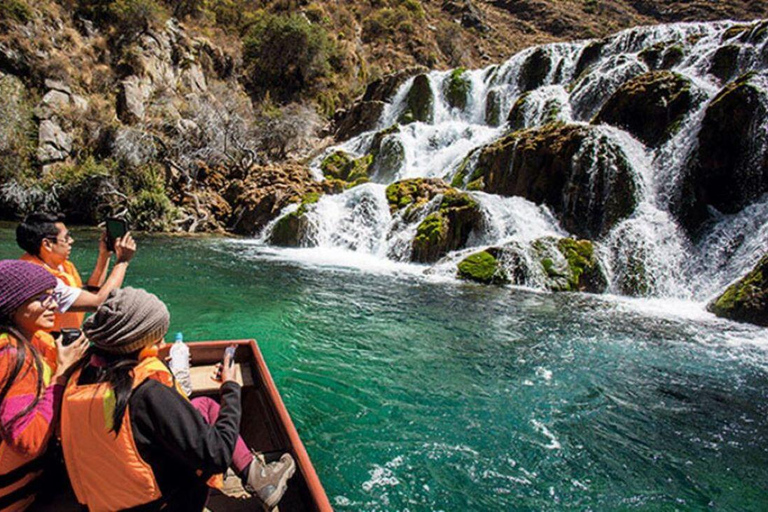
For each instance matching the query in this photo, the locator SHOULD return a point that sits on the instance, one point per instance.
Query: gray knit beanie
(129, 320)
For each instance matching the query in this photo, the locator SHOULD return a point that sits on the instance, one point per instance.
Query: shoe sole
(282, 486)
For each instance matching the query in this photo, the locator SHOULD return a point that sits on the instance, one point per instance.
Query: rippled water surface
(418, 394)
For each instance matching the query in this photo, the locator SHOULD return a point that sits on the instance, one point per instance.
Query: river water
(421, 393)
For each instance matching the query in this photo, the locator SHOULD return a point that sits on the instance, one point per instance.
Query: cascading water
(647, 252)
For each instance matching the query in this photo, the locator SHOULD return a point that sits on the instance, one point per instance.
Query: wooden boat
(266, 427)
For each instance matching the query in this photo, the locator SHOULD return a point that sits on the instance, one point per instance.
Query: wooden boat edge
(303, 461)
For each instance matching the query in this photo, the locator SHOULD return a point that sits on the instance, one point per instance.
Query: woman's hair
(23, 348)
(117, 373)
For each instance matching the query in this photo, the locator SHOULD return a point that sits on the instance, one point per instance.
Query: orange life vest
(106, 471)
(69, 275)
(18, 470)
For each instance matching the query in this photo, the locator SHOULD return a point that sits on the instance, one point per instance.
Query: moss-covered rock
(575, 170)
(725, 62)
(447, 229)
(650, 106)
(535, 70)
(483, 267)
(341, 166)
(589, 55)
(664, 55)
(420, 102)
(388, 155)
(460, 176)
(493, 108)
(570, 265)
(292, 229)
(729, 167)
(521, 114)
(747, 299)
(414, 192)
(457, 88)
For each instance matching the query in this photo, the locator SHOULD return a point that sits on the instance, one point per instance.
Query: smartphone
(116, 228)
(69, 335)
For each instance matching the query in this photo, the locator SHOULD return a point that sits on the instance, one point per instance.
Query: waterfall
(648, 252)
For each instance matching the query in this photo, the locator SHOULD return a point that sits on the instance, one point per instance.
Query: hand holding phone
(116, 228)
(226, 370)
(68, 335)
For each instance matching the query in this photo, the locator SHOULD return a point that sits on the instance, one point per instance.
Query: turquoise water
(417, 394)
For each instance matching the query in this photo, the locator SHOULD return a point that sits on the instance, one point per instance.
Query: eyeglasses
(68, 240)
(46, 298)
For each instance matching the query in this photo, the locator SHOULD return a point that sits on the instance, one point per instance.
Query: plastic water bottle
(179, 363)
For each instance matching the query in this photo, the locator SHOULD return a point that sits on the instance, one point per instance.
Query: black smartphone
(116, 228)
(69, 335)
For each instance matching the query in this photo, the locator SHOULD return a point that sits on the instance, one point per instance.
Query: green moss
(431, 230)
(458, 87)
(478, 184)
(420, 102)
(736, 31)
(334, 164)
(306, 200)
(580, 257)
(747, 299)
(455, 199)
(482, 267)
(340, 166)
(402, 193)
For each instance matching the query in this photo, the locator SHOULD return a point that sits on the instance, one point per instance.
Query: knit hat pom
(129, 320)
(19, 282)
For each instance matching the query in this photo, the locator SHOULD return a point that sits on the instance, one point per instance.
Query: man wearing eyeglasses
(47, 243)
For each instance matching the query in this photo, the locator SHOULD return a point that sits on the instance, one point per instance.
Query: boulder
(132, 97)
(747, 299)
(483, 267)
(493, 108)
(725, 62)
(588, 56)
(729, 168)
(414, 192)
(362, 117)
(265, 193)
(522, 116)
(420, 102)
(54, 144)
(292, 229)
(664, 55)
(447, 229)
(470, 16)
(577, 171)
(457, 88)
(535, 70)
(569, 265)
(388, 155)
(650, 106)
(341, 166)
(384, 88)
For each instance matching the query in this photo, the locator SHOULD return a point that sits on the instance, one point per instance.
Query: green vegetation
(15, 10)
(482, 267)
(390, 20)
(458, 88)
(287, 55)
(340, 166)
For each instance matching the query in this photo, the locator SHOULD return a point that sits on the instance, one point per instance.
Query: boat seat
(203, 383)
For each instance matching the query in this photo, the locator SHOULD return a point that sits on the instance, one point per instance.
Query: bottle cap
(179, 336)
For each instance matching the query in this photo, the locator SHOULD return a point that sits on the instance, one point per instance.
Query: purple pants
(209, 408)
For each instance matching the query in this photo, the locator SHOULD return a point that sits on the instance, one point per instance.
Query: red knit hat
(19, 282)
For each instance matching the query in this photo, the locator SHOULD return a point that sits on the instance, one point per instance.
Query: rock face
(341, 166)
(662, 55)
(447, 229)
(493, 108)
(730, 166)
(388, 155)
(414, 192)
(362, 117)
(420, 102)
(725, 62)
(650, 106)
(522, 114)
(747, 299)
(268, 190)
(575, 170)
(384, 88)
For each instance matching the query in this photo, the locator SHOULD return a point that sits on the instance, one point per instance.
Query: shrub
(286, 54)
(84, 190)
(15, 10)
(18, 132)
(136, 16)
(151, 210)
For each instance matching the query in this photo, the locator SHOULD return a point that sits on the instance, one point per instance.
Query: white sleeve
(65, 295)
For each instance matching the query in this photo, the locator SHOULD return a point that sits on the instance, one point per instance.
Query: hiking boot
(268, 482)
